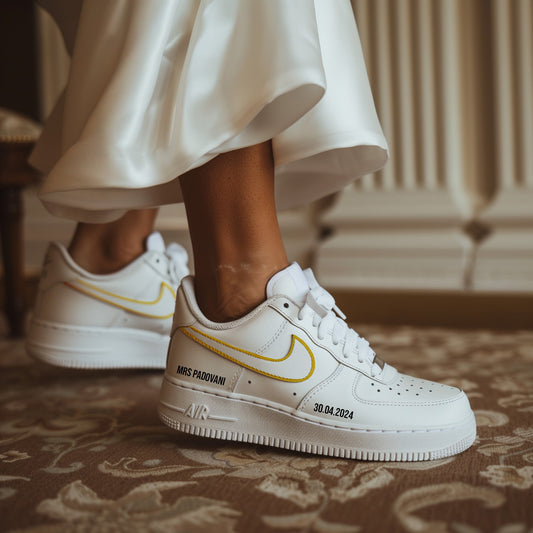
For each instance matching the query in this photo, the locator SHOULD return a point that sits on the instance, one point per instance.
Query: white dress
(159, 87)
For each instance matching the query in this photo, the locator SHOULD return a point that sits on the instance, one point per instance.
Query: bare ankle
(103, 250)
(107, 248)
(231, 308)
(103, 257)
(233, 290)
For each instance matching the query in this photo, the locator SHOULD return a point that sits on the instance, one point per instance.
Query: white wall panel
(453, 83)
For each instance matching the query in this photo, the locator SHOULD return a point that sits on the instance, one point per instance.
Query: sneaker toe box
(408, 403)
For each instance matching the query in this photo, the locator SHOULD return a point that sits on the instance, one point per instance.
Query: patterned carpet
(85, 452)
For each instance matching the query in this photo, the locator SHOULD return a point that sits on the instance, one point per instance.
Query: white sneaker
(292, 374)
(119, 320)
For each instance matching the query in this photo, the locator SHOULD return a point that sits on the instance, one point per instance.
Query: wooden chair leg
(12, 252)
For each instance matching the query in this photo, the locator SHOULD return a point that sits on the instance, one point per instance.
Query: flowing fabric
(159, 87)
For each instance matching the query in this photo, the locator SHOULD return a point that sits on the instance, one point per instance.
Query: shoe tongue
(155, 242)
(291, 282)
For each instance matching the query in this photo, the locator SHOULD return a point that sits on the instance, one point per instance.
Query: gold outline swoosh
(93, 292)
(294, 339)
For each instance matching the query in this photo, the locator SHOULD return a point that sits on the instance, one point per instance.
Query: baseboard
(438, 309)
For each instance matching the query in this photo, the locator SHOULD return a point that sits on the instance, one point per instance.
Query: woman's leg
(293, 376)
(234, 230)
(106, 248)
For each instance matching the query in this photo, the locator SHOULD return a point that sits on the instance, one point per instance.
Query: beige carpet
(85, 452)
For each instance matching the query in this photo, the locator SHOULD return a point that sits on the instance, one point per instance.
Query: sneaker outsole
(95, 348)
(193, 412)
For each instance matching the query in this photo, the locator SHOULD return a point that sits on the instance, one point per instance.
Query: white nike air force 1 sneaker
(292, 374)
(119, 320)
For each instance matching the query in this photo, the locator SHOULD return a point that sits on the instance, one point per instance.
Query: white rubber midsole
(220, 416)
(91, 347)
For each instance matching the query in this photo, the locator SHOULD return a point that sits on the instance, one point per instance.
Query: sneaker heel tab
(57, 261)
(58, 252)
(57, 248)
(182, 313)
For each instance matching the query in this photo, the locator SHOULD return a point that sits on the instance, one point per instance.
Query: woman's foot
(292, 374)
(118, 320)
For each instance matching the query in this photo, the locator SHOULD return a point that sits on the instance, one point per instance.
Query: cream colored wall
(453, 209)
(453, 82)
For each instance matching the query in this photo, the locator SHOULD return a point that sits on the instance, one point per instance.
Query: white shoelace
(329, 319)
(177, 262)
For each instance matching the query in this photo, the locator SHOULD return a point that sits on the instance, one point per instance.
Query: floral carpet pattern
(85, 452)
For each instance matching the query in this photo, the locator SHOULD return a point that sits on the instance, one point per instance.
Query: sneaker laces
(329, 319)
(177, 262)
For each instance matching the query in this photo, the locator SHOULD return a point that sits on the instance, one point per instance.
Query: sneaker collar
(291, 282)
